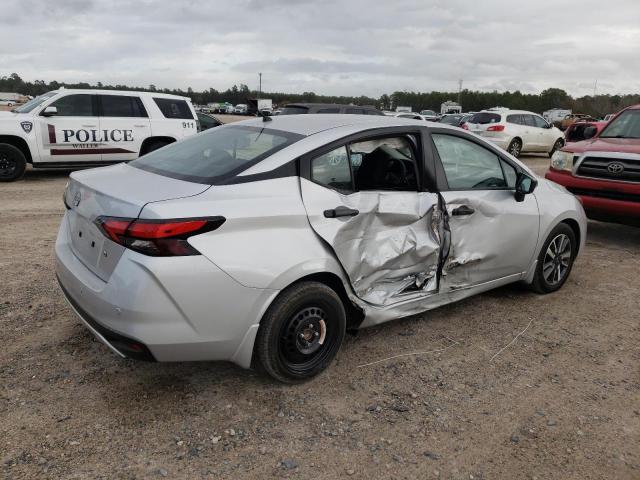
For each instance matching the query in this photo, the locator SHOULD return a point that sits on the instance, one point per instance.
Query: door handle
(89, 126)
(141, 126)
(341, 211)
(463, 210)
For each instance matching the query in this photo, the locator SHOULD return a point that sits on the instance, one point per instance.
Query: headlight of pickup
(562, 160)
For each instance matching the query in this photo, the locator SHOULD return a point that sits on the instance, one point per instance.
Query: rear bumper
(167, 309)
(602, 200)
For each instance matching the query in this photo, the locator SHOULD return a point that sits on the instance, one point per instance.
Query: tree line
(597, 106)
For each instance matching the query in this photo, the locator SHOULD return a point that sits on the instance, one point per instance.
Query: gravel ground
(562, 401)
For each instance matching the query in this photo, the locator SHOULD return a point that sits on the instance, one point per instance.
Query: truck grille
(610, 168)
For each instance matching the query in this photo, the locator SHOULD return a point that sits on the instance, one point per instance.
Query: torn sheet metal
(391, 249)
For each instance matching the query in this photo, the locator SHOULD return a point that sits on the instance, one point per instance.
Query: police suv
(83, 128)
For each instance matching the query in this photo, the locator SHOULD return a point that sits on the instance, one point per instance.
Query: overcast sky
(348, 47)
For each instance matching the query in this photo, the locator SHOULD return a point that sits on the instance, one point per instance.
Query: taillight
(495, 128)
(158, 238)
(464, 126)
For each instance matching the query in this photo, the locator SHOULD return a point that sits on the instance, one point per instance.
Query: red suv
(604, 171)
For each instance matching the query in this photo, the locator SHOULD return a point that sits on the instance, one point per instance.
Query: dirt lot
(562, 401)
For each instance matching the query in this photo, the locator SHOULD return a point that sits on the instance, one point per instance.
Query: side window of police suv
(80, 105)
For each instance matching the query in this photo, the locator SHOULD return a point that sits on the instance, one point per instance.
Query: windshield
(217, 154)
(33, 103)
(625, 125)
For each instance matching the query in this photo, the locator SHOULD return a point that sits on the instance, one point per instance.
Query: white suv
(82, 128)
(516, 131)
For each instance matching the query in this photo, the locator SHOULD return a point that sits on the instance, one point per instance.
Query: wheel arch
(18, 142)
(575, 227)
(149, 140)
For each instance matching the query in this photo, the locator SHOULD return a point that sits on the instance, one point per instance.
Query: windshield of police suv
(33, 103)
(625, 125)
(216, 155)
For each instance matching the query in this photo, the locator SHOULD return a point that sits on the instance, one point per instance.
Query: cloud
(330, 46)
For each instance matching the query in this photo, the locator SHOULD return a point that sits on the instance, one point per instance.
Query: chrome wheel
(514, 148)
(557, 259)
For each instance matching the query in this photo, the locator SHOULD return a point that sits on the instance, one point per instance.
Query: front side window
(469, 166)
(217, 154)
(174, 108)
(515, 119)
(122, 106)
(625, 125)
(539, 122)
(80, 105)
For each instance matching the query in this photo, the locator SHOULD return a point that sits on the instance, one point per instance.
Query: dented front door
(388, 242)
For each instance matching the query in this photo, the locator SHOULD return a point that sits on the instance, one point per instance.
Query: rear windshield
(484, 117)
(294, 110)
(217, 154)
(174, 108)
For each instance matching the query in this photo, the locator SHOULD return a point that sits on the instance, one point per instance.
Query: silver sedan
(263, 242)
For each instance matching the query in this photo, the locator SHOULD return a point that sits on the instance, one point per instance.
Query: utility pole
(595, 87)
(459, 91)
(260, 84)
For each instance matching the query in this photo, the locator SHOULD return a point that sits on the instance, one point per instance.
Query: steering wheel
(396, 173)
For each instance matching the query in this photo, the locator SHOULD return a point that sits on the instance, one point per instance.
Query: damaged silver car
(263, 242)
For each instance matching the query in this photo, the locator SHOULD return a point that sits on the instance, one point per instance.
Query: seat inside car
(385, 169)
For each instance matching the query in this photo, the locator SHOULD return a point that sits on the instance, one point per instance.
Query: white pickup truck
(83, 128)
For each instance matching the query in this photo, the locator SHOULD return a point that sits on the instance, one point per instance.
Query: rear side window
(328, 110)
(122, 106)
(217, 154)
(174, 108)
(484, 117)
(332, 170)
(516, 119)
(80, 105)
(355, 111)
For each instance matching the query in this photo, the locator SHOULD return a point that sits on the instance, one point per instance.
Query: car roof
(314, 123)
(119, 92)
(328, 105)
(507, 111)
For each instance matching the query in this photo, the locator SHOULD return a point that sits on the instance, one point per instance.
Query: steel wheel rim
(557, 259)
(306, 339)
(8, 165)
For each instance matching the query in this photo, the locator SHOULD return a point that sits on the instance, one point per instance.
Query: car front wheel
(555, 260)
(556, 146)
(301, 332)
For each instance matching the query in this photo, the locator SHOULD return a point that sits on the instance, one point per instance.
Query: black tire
(301, 332)
(515, 147)
(561, 268)
(12, 163)
(556, 146)
(155, 145)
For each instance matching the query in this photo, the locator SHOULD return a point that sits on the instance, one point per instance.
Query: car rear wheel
(555, 260)
(12, 163)
(515, 147)
(301, 332)
(154, 146)
(556, 146)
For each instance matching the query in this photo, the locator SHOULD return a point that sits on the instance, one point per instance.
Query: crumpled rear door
(390, 249)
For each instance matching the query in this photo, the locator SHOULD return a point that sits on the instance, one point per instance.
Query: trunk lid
(116, 191)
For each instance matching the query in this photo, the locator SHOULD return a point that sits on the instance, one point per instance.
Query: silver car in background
(263, 242)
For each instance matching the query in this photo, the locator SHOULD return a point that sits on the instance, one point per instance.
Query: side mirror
(49, 112)
(589, 132)
(524, 186)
